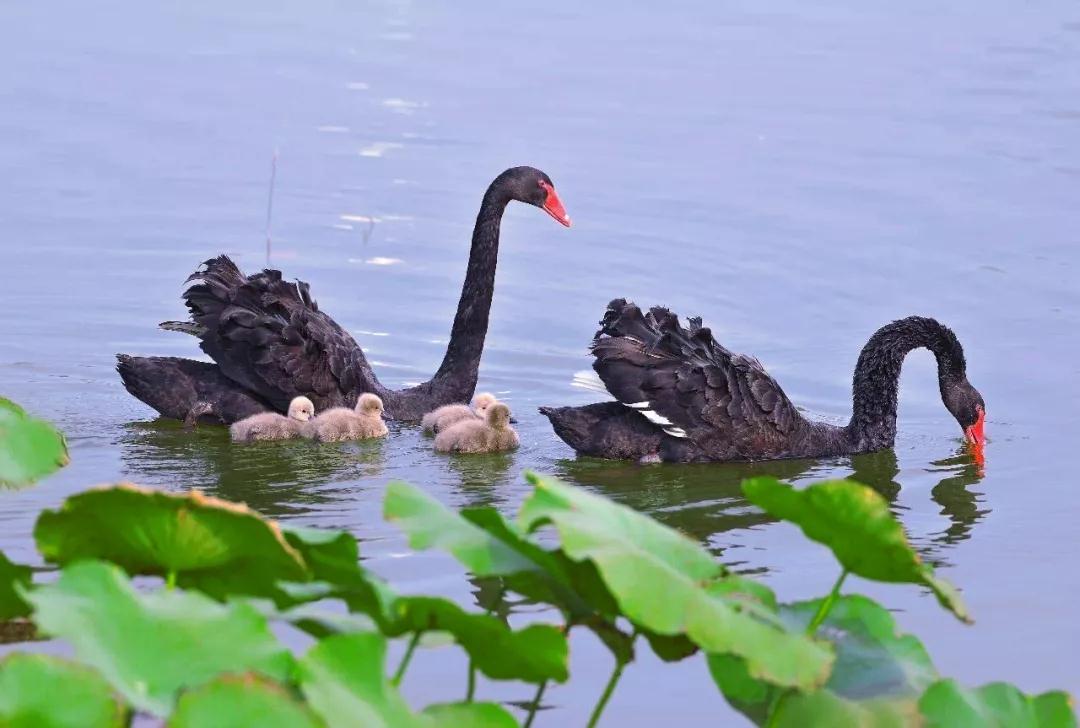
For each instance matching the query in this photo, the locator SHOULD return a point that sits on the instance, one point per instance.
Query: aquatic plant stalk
(819, 616)
(170, 580)
(535, 706)
(606, 696)
(472, 683)
(826, 604)
(610, 687)
(400, 673)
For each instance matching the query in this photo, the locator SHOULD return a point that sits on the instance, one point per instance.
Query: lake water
(797, 174)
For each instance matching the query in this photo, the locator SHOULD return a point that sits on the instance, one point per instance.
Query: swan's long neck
(877, 376)
(462, 360)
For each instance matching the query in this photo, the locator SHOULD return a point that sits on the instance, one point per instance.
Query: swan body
(271, 342)
(438, 420)
(682, 397)
(272, 426)
(340, 423)
(493, 433)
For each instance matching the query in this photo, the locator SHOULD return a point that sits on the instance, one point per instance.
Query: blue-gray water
(798, 174)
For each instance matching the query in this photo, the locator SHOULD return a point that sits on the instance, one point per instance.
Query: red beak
(553, 205)
(974, 433)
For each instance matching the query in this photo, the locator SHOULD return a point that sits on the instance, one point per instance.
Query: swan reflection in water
(706, 502)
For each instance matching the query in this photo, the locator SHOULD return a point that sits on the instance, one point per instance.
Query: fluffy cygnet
(438, 420)
(272, 426)
(491, 434)
(341, 423)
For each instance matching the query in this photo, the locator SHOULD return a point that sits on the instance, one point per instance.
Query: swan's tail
(177, 387)
(605, 430)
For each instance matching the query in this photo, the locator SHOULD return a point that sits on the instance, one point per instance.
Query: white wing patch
(588, 379)
(655, 418)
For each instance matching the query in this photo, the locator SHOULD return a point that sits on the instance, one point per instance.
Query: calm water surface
(796, 175)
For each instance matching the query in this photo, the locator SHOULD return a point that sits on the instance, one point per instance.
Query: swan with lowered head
(682, 397)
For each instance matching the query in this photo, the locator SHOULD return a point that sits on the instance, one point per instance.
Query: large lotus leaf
(429, 524)
(30, 448)
(997, 705)
(658, 576)
(196, 537)
(533, 654)
(150, 646)
(344, 680)
(12, 604)
(240, 701)
(876, 679)
(42, 691)
(798, 710)
(487, 545)
(316, 619)
(855, 522)
(320, 547)
(469, 715)
(327, 554)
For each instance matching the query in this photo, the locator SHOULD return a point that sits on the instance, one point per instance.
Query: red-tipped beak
(553, 205)
(974, 434)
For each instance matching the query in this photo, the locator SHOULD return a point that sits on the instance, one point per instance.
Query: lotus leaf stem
(535, 704)
(609, 688)
(406, 658)
(472, 682)
(826, 604)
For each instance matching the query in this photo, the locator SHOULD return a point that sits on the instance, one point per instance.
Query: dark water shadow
(705, 500)
(275, 478)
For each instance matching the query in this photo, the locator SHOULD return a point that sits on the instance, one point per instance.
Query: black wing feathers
(725, 402)
(269, 336)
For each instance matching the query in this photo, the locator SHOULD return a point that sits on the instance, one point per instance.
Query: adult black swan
(271, 342)
(682, 397)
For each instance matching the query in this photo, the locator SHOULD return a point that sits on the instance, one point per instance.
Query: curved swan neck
(877, 376)
(462, 360)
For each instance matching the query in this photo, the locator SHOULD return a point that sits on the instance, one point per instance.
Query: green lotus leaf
(659, 578)
(210, 544)
(999, 705)
(344, 680)
(30, 448)
(532, 654)
(855, 522)
(469, 715)
(42, 691)
(429, 524)
(240, 701)
(12, 605)
(150, 646)
(876, 680)
(489, 546)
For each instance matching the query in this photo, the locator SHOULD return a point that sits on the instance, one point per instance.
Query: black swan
(682, 397)
(272, 426)
(339, 424)
(272, 343)
(493, 433)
